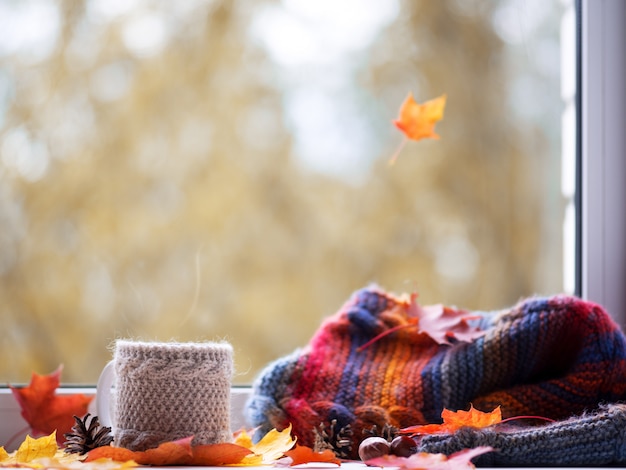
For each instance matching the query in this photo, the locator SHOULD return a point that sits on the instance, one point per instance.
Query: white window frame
(603, 151)
(601, 257)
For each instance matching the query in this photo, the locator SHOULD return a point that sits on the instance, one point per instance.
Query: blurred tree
(152, 184)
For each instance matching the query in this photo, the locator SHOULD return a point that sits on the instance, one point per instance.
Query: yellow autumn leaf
(243, 439)
(270, 448)
(32, 449)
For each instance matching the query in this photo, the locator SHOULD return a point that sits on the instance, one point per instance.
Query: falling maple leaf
(423, 460)
(455, 420)
(44, 410)
(303, 454)
(417, 121)
(442, 324)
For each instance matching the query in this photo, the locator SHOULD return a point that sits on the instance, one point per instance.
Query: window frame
(601, 148)
(601, 175)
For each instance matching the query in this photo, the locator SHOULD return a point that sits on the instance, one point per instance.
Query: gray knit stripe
(592, 439)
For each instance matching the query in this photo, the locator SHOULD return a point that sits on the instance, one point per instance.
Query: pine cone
(85, 438)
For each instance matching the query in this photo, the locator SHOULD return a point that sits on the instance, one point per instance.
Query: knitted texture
(168, 391)
(552, 357)
(593, 439)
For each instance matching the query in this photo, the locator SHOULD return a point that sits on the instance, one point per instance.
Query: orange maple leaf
(417, 121)
(455, 420)
(44, 410)
(179, 452)
(303, 454)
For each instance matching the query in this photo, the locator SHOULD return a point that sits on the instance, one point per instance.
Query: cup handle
(103, 395)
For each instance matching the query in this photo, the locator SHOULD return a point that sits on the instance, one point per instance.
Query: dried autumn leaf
(37, 453)
(303, 454)
(179, 452)
(417, 121)
(455, 420)
(44, 410)
(217, 455)
(273, 445)
(443, 324)
(32, 449)
(422, 460)
(243, 439)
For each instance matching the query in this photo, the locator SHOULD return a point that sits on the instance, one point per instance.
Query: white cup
(157, 392)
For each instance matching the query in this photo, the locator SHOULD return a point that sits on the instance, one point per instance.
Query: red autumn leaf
(303, 454)
(417, 121)
(44, 410)
(179, 452)
(422, 460)
(442, 324)
(455, 420)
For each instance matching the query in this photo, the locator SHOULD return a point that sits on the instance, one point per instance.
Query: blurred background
(218, 170)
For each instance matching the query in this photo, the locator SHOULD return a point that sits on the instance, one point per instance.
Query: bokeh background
(218, 170)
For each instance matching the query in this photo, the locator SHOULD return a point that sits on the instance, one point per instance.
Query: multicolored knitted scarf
(552, 357)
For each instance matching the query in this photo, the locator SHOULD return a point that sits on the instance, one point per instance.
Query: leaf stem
(382, 335)
(513, 418)
(16, 435)
(394, 157)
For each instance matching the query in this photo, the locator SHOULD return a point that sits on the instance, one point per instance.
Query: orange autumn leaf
(215, 455)
(455, 420)
(179, 452)
(417, 121)
(44, 410)
(303, 454)
(168, 453)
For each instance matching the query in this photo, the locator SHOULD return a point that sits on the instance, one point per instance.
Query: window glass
(208, 170)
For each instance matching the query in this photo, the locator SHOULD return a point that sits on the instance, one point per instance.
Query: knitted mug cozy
(551, 357)
(168, 391)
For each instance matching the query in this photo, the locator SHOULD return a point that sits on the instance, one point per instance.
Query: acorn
(403, 446)
(373, 447)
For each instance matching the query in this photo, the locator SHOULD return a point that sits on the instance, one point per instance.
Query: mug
(155, 392)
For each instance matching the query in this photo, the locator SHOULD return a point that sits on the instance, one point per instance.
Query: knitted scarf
(552, 357)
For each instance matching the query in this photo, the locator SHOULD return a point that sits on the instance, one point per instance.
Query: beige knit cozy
(168, 391)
